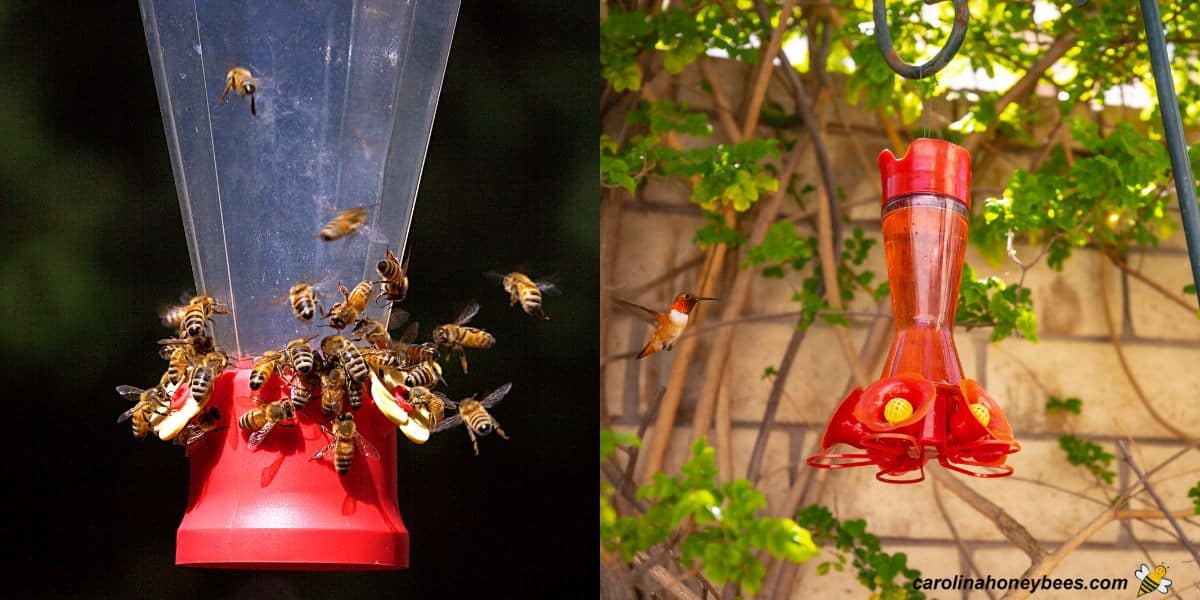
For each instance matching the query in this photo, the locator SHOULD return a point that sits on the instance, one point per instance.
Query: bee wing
(257, 437)
(445, 399)
(192, 433)
(496, 396)
(407, 257)
(1142, 572)
(399, 317)
(327, 451)
(494, 277)
(127, 414)
(549, 285)
(1163, 585)
(129, 392)
(325, 205)
(468, 313)
(366, 447)
(448, 423)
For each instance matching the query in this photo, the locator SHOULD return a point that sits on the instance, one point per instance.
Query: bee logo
(1152, 580)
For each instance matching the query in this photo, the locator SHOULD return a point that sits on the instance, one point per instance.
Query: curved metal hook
(883, 35)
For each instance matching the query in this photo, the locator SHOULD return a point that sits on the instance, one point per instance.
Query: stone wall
(1073, 358)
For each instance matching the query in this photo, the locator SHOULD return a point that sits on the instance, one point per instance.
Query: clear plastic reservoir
(345, 98)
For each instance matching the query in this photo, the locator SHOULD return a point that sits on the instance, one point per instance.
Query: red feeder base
(277, 508)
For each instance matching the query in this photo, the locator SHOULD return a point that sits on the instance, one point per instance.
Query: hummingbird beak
(709, 298)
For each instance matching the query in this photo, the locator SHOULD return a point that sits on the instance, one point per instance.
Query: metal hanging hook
(883, 35)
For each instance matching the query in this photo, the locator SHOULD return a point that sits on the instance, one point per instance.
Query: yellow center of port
(897, 410)
(981, 412)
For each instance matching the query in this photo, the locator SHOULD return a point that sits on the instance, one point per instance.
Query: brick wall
(1073, 358)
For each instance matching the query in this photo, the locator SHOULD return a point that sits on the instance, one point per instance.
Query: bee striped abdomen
(344, 456)
(302, 359)
(355, 365)
(201, 384)
(425, 374)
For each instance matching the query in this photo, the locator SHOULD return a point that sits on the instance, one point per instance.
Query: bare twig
(962, 548)
(664, 579)
(725, 424)
(777, 386)
(1114, 337)
(1008, 526)
(635, 289)
(1128, 458)
(1154, 285)
(724, 115)
(762, 78)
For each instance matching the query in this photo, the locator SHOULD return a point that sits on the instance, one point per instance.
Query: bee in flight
(525, 291)
(476, 416)
(261, 419)
(345, 439)
(1152, 580)
(457, 336)
(148, 403)
(207, 421)
(240, 80)
(395, 276)
(346, 223)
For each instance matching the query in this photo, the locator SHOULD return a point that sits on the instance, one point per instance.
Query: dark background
(93, 243)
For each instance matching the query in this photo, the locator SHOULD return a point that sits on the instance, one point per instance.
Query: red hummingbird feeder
(922, 407)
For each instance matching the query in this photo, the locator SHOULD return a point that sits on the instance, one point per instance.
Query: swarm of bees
(334, 372)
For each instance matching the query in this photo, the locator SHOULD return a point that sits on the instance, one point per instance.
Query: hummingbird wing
(650, 316)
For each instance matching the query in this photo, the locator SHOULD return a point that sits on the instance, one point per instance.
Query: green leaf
(1059, 405)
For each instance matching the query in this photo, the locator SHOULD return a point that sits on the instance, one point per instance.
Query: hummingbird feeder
(342, 96)
(921, 407)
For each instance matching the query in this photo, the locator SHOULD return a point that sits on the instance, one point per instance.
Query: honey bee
(457, 336)
(147, 404)
(214, 364)
(304, 301)
(381, 359)
(346, 223)
(374, 332)
(201, 425)
(431, 401)
(395, 276)
(412, 354)
(426, 374)
(240, 80)
(345, 439)
(261, 419)
(474, 413)
(333, 391)
(199, 313)
(266, 366)
(179, 360)
(301, 389)
(350, 358)
(300, 357)
(345, 313)
(526, 292)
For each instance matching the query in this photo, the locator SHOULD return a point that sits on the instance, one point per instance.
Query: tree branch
(1128, 458)
(1008, 526)
(1154, 285)
(1129, 375)
(763, 77)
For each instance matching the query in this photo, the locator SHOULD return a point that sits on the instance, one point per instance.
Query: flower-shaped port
(980, 436)
(895, 403)
(895, 453)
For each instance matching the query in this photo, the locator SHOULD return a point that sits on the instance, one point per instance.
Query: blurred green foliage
(721, 531)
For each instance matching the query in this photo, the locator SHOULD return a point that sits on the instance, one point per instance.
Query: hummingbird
(669, 325)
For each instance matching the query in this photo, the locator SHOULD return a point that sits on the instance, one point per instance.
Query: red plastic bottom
(276, 508)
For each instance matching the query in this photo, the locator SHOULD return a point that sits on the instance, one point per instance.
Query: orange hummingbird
(669, 325)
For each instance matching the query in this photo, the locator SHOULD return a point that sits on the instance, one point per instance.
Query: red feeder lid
(934, 166)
